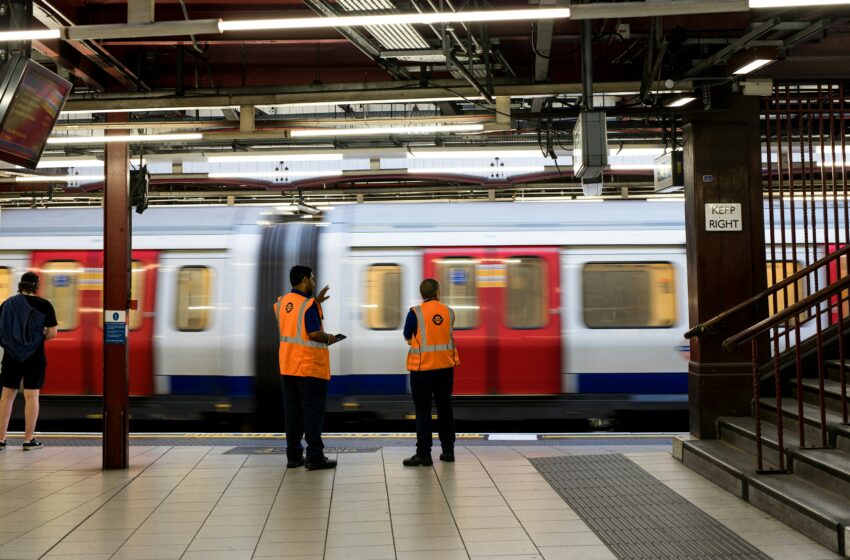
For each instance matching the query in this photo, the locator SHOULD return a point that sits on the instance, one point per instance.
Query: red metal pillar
(116, 297)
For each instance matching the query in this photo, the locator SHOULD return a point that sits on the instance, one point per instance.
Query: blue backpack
(21, 328)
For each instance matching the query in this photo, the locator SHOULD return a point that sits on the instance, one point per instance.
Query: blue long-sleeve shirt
(411, 324)
(312, 322)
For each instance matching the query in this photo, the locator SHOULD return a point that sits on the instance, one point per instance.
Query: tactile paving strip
(282, 450)
(635, 514)
(599, 444)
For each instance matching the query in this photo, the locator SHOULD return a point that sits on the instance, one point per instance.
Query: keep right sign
(723, 217)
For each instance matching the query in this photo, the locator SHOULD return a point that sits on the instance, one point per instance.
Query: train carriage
(564, 309)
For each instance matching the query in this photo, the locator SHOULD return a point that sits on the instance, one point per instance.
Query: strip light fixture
(473, 170)
(384, 130)
(757, 4)
(57, 178)
(130, 138)
(34, 35)
(471, 154)
(272, 174)
(395, 19)
(752, 66)
(681, 102)
(249, 158)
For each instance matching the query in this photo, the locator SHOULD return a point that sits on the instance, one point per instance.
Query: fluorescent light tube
(273, 174)
(756, 4)
(681, 102)
(487, 154)
(130, 138)
(380, 130)
(632, 167)
(59, 163)
(752, 66)
(34, 35)
(630, 152)
(395, 19)
(247, 158)
(469, 170)
(57, 178)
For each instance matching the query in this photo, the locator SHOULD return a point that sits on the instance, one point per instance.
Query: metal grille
(636, 515)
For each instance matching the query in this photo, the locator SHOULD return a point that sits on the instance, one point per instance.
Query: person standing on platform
(431, 361)
(304, 368)
(26, 321)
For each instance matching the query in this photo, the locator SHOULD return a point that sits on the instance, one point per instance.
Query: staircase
(813, 494)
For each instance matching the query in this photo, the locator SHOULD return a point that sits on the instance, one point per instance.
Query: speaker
(139, 184)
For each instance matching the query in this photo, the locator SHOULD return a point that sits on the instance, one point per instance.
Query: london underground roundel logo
(288, 307)
(115, 316)
(438, 319)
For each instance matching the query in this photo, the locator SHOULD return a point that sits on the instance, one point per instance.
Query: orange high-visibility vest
(298, 355)
(433, 344)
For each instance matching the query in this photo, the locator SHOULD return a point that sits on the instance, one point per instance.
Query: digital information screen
(32, 101)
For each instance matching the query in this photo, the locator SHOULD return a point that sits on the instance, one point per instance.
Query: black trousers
(438, 384)
(304, 413)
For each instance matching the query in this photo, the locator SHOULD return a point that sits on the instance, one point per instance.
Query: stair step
(833, 369)
(723, 464)
(827, 468)
(811, 393)
(820, 514)
(741, 434)
(838, 435)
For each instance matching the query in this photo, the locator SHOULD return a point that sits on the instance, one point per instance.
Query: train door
(70, 281)
(189, 332)
(385, 287)
(507, 326)
(73, 282)
(626, 313)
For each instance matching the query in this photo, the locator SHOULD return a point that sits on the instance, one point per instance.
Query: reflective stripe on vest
(299, 335)
(420, 322)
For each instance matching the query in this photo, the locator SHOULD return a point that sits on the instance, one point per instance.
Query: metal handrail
(731, 343)
(776, 288)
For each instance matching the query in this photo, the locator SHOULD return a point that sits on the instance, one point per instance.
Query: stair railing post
(756, 405)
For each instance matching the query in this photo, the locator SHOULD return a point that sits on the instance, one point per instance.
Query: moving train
(563, 309)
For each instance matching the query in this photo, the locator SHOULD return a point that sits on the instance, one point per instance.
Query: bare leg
(30, 412)
(6, 401)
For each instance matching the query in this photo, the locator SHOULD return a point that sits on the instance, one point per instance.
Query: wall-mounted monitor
(31, 98)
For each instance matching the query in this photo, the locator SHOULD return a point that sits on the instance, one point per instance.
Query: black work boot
(418, 461)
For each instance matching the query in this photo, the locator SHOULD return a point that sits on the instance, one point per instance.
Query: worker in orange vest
(305, 368)
(431, 361)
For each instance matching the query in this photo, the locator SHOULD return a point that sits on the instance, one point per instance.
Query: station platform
(508, 496)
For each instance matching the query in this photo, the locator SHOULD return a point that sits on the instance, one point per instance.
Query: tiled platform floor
(194, 502)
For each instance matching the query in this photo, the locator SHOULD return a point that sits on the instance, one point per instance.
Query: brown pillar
(116, 297)
(722, 166)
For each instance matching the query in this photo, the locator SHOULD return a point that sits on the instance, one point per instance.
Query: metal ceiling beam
(359, 40)
(336, 93)
(805, 33)
(652, 8)
(732, 48)
(58, 53)
(50, 16)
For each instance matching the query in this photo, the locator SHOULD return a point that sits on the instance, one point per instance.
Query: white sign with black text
(723, 217)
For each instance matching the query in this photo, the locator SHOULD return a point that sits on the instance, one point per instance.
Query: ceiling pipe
(586, 65)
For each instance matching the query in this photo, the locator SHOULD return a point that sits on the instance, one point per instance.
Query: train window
(137, 292)
(194, 296)
(383, 297)
(527, 296)
(627, 295)
(5, 283)
(458, 289)
(778, 271)
(60, 284)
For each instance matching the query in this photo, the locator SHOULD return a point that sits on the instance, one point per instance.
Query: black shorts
(12, 375)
